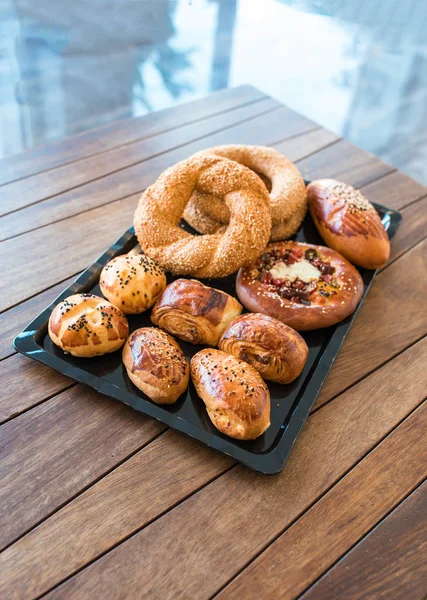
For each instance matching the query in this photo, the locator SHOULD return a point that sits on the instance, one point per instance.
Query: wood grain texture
(52, 452)
(121, 132)
(412, 229)
(30, 190)
(15, 319)
(391, 562)
(392, 317)
(299, 147)
(211, 536)
(25, 383)
(341, 518)
(395, 191)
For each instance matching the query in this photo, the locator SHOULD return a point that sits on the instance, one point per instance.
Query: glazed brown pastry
(302, 285)
(348, 223)
(237, 399)
(132, 282)
(195, 312)
(86, 325)
(275, 350)
(156, 365)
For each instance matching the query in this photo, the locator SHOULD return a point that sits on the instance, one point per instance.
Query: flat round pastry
(302, 285)
(348, 223)
(237, 399)
(207, 214)
(274, 349)
(132, 282)
(195, 312)
(162, 205)
(156, 364)
(86, 325)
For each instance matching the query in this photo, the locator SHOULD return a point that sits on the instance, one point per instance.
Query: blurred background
(358, 67)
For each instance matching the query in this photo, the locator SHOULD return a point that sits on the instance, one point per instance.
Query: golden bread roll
(156, 364)
(348, 223)
(86, 325)
(236, 397)
(195, 312)
(132, 282)
(275, 350)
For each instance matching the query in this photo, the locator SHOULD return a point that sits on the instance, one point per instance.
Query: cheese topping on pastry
(302, 270)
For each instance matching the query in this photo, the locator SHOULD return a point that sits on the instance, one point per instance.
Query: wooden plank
(51, 453)
(346, 162)
(121, 132)
(395, 191)
(14, 320)
(299, 147)
(412, 229)
(392, 317)
(391, 562)
(263, 129)
(25, 383)
(357, 503)
(24, 192)
(212, 535)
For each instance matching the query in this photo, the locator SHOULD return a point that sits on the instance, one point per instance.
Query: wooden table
(99, 501)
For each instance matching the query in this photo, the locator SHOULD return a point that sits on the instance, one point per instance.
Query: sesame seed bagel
(216, 255)
(207, 213)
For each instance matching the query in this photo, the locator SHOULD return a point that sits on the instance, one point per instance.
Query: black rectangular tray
(290, 404)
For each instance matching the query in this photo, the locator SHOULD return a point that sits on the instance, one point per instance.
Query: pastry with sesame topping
(348, 223)
(275, 350)
(132, 282)
(236, 397)
(207, 213)
(86, 325)
(162, 205)
(195, 312)
(302, 285)
(156, 364)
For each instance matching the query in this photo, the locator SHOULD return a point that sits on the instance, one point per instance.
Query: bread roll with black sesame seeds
(236, 397)
(156, 364)
(86, 325)
(132, 282)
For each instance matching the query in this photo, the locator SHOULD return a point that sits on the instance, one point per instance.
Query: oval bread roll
(237, 399)
(86, 325)
(156, 364)
(348, 223)
(132, 282)
(275, 350)
(195, 312)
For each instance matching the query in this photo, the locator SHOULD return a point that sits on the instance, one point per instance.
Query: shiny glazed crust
(156, 364)
(162, 205)
(322, 311)
(275, 350)
(237, 399)
(132, 282)
(348, 223)
(195, 312)
(207, 213)
(86, 325)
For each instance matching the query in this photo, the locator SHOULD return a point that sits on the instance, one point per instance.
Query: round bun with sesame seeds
(132, 282)
(236, 397)
(86, 325)
(303, 285)
(156, 364)
(207, 214)
(162, 205)
(348, 223)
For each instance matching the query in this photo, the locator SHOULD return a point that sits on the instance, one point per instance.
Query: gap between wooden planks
(224, 524)
(119, 133)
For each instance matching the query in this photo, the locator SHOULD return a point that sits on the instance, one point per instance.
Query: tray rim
(268, 463)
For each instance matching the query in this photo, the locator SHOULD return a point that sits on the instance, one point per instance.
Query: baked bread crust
(156, 364)
(348, 223)
(236, 397)
(330, 301)
(275, 350)
(86, 325)
(195, 312)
